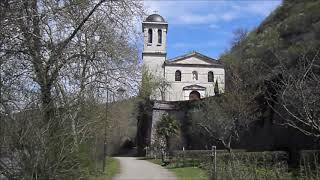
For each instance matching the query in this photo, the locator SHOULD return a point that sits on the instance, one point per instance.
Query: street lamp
(120, 92)
(105, 134)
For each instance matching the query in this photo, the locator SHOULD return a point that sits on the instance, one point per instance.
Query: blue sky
(208, 26)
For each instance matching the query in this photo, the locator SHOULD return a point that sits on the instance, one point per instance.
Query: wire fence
(240, 164)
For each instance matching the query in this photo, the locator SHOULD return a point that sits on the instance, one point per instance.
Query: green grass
(112, 168)
(184, 173)
(189, 173)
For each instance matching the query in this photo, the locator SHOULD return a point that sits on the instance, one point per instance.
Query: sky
(207, 26)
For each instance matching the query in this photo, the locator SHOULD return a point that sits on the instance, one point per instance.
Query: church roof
(179, 61)
(194, 87)
(155, 18)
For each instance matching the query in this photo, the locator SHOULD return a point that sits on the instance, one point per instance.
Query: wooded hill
(277, 65)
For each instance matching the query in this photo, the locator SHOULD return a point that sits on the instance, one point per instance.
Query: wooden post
(214, 163)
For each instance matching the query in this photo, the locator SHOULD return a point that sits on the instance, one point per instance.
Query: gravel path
(133, 169)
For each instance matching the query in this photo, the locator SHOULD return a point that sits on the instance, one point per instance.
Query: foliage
(122, 124)
(247, 165)
(216, 88)
(166, 128)
(298, 96)
(147, 84)
(274, 61)
(223, 118)
(151, 86)
(58, 60)
(236, 165)
(184, 173)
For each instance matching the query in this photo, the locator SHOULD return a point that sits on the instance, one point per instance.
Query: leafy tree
(166, 128)
(151, 86)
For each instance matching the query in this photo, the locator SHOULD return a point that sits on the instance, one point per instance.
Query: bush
(240, 164)
(309, 164)
(252, 165)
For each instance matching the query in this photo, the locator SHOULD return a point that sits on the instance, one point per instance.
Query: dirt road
(133, 169)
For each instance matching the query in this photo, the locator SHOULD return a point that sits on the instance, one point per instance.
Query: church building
(187, 77)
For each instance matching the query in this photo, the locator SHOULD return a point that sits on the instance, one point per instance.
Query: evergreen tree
(216, 88)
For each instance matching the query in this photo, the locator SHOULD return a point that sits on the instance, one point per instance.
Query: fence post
(183, 155)
(214, 163)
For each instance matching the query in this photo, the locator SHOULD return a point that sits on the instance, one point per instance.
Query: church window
(194, 75)
(159, 36)
(210, 76)
(150, 36)
(178, 75)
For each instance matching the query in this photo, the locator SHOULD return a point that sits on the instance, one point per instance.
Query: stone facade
(194, 68)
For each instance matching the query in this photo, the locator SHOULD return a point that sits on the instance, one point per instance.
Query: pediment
(194, 87)
(193, 58)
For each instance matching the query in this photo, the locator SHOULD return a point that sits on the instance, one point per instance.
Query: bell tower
(154, 49)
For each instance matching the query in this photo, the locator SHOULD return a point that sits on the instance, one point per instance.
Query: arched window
(194, 95)
(178, 75)
(159, 36)
(150, 36)
(194, 75)
(210, 76)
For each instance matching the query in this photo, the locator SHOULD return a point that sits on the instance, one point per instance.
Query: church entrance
(194, 95)
(193, 92)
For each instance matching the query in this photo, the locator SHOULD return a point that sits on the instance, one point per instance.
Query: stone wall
(264, 133)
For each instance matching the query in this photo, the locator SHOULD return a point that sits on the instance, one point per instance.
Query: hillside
(290, 32)
(277, 66)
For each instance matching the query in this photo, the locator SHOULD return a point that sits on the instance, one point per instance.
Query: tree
(223, 118)
(166, 128)
(55, 57)
(297, 96)
(151, 86)
(239, 35)
(149, 89)
(216, 88)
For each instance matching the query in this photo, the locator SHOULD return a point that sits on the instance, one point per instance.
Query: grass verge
(184, 173)
(112, 168)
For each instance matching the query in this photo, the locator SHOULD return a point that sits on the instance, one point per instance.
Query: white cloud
(209, 12)
(214, 26)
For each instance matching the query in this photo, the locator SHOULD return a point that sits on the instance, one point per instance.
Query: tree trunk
(168, 145)
(47, 103)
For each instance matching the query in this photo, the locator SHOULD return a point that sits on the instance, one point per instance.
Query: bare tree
(239, 35)
(225, 117)
(297, 95)
(55, 57)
